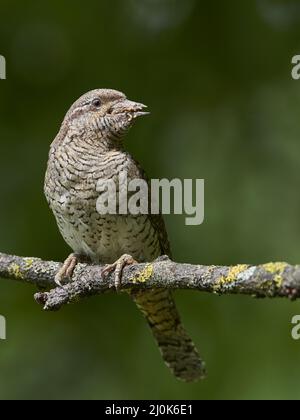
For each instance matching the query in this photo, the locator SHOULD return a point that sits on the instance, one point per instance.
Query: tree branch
(266, 280)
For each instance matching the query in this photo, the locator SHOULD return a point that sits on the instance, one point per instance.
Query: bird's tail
(177, 349)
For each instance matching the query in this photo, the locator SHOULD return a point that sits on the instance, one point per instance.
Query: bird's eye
(96, 103)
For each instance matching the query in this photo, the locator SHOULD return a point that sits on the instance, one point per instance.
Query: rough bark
(266, 280)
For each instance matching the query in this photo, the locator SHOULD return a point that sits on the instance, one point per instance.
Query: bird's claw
(118, 267)
(66, 270)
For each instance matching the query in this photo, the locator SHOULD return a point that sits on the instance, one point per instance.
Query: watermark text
(137, 196)
(2, 328)
(2, 67)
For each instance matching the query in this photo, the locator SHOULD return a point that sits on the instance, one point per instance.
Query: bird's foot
(67, 269)
(163, 258)
(118, 267)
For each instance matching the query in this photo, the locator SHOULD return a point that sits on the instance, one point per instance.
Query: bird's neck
(88, 141)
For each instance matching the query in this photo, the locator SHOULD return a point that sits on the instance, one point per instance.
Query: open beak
(134, 109)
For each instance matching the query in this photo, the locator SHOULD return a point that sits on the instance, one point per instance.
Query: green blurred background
(217, 78)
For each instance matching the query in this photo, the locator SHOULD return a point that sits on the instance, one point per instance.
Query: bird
(90, 146)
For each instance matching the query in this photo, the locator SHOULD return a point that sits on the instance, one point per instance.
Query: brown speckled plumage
(88, 148)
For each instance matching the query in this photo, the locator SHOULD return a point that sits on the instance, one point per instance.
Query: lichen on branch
(271, 280)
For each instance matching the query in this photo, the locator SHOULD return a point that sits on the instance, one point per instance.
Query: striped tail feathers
(176, 347)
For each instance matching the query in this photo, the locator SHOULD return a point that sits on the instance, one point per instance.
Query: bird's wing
(156, 220)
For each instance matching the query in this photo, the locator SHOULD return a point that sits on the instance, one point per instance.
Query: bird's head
(104, 113)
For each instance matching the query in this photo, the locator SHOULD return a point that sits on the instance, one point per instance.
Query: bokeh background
(217, 78)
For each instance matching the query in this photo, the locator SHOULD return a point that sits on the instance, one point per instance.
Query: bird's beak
(134, 109)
